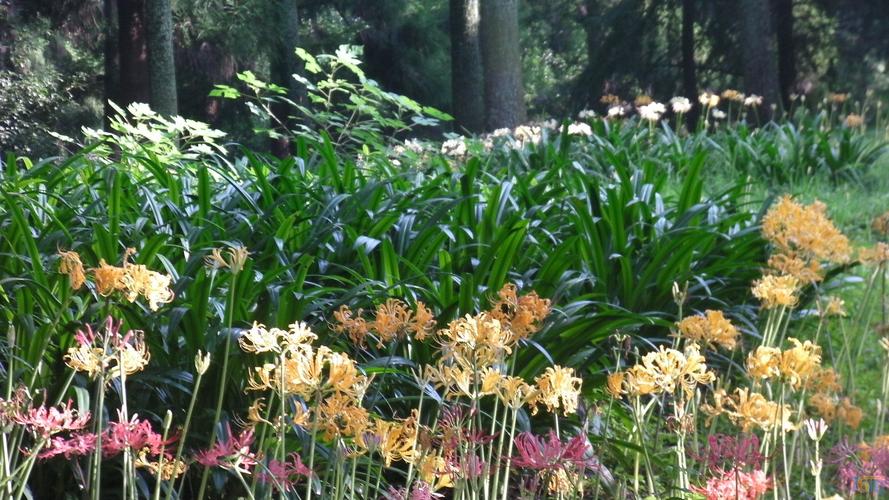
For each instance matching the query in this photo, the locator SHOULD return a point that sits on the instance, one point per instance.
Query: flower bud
(201, 362)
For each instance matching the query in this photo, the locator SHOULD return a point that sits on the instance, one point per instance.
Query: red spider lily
(420, 491)
(284, 475)
(230, 453)
(465, 467)
(76, 445)
(851, 467)
(551, 453)
(736, 484)
(455, 434)
(726, 452)
(45, 422)
(135, 434)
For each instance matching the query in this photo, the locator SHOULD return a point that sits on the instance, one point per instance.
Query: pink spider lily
(735, 483)
(551, 453)
(420, 491)
(75, 446)
(46, 421)
(135, 434)
(233, 452)
(284, 475)
(726, 451)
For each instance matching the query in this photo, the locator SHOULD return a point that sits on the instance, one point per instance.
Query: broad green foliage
(341, 103)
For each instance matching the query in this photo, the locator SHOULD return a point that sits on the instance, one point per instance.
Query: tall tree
(132, 52)
(161, 66)
(284, 64)
(689, 68)
(111, 78)
(467, 77)
(760, 60)
(502, 62)
(783, 15)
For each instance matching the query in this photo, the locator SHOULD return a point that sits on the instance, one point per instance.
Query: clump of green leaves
(340, 102)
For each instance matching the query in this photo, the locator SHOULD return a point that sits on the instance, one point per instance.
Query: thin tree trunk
(502, 62)
(161, 65)
(783, 13)
(689, 68)
(132, 53)
(760, 59)
(111, 78)
(284, 64)
(467, 78)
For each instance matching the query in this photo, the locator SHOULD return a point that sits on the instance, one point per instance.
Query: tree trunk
(783, 10)
(283, 65)
(467, 79)
(502, 62)
(161, 66)
(760, 60)
(132, 53)
(111, 78)
(689, 68)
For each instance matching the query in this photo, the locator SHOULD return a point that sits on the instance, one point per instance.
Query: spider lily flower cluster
(785, 397)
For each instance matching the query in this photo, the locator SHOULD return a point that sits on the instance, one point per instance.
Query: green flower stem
(312, 445)
(508, 467)
(181, 446)
(229, 313)
(168, 419)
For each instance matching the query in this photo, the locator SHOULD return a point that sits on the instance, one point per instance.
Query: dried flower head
(807, 272)
(475, 341)
(824, 405)
(711, 328)
(764, 362)
(166, 470)
(805, 231)
(837, 97)
(514, 392)
(351, 324)
(834, 306)
(853, 120)
(615, 384)
(642, 100)
(878, 254)
(880, 224)
(824, 380)
(392, 320)
(393, 440)
(777, 291)
(849, 414)
(108, 278)
(70, 264)
(133, 280)
(557, 388)
(750, 410)
(800, 362)
(522, 315)
(609, 99)
(733, 95)
(665, 369)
